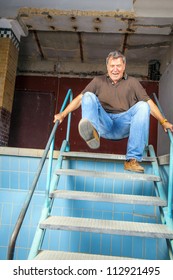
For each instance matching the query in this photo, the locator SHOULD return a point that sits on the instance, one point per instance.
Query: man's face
(116, 68)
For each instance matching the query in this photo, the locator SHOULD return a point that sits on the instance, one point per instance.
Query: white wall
(166, 101)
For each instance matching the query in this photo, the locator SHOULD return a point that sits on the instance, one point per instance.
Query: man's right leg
(88, 125)
(89, 134)
(94, 120)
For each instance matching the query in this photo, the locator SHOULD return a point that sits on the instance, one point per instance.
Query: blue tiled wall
(17, 173)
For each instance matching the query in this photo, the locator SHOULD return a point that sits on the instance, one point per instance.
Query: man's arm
(155, 112)
(75, 104)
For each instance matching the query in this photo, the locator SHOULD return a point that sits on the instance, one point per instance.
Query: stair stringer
(52, 201)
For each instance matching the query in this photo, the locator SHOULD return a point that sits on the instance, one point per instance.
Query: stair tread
(113, 175)
(107, 226)
(60, 255)
(101, 156)
(109, 197)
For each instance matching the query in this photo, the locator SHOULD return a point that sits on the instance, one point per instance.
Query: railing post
(170, 179)
(170, 182)
(11, 246)
(38, 238)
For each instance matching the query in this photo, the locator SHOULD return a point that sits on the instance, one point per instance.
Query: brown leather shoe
(89, 134)
(133, 165)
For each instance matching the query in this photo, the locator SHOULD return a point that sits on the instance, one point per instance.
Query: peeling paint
(97, 20)
(49, 17)
(125, 22)
(97, 29)
(34, 11)
(73, 18)
(23, 15)
(52, 27)
(75, 28)
(29, 26)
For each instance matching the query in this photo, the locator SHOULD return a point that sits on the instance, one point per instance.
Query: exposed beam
(38, 44)
(81, 46)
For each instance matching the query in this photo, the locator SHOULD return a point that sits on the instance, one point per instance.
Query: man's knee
(88, 97)
(143, 107)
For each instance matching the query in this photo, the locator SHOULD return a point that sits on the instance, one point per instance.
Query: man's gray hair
(115, 54)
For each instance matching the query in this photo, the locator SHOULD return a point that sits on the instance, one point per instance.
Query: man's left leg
(138, 136)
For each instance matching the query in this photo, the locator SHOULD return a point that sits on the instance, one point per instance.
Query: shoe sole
(89, 134)
(133, 170)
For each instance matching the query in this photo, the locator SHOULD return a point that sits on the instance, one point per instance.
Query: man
(116, 106)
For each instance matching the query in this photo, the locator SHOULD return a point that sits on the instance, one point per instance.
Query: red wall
(51, 91)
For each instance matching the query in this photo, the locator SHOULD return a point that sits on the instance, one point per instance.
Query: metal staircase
(160, 198)
(112, 227)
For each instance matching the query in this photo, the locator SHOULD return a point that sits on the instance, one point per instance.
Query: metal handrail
(170, 179)
(26, 204)
(49, 171)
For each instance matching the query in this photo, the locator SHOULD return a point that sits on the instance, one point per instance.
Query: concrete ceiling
(69, 38)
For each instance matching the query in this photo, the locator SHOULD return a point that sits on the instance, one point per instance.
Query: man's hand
(59, 117)
(74, 104)
(167, 125)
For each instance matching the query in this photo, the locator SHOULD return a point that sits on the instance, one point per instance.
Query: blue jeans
(133, 124)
